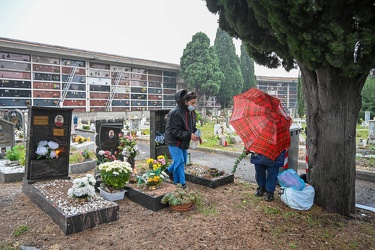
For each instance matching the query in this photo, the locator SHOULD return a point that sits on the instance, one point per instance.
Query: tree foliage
(368, 98)
(199, 66)
(247, 70)
(333, 43)
(230, 66)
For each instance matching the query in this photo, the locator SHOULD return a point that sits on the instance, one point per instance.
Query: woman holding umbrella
(262, 124)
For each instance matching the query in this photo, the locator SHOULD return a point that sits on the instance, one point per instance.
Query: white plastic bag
(300, 200)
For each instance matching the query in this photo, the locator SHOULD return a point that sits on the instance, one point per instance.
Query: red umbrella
(261, 122)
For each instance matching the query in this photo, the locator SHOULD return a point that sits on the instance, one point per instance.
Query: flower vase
(131, 161)
(133, 179)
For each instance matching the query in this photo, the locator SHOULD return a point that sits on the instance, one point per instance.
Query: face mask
(191, 108)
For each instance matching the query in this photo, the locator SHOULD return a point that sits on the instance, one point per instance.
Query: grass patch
(20, 230)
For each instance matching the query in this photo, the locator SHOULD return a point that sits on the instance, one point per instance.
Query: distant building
(283, 88)
(47, 75)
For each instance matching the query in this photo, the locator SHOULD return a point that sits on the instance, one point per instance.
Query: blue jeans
(177, 168)
(266, 180)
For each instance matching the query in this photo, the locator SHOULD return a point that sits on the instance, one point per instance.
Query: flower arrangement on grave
(128, 146)
(107, 156)
(83, 187)
(86, 154)
(47, 150)
(80, 139)
(155, 176)
(160, 162)
(115, 174)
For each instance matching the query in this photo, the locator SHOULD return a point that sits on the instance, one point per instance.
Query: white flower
(43, 143)
(52, 154)
(53, 145)
(82, 187)
(47, 149)
(41, 150)
(101, 152)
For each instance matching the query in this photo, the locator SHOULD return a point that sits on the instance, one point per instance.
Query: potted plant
(115, 175)
(83, 188)
(181, 199)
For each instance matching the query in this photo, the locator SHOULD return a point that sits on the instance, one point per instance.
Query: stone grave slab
(212, 183)
(70, 224)
(145, 200)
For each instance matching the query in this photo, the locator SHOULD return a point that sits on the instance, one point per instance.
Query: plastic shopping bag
(300, 200)
(290, 179)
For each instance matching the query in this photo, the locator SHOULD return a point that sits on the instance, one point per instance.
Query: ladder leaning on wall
(113, 91)
(67, 86)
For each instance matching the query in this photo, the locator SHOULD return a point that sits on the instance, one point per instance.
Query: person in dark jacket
(179, 131)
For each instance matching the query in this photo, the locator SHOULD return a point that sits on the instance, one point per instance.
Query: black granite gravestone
(52, 126)
(107, 134)
(158, 119)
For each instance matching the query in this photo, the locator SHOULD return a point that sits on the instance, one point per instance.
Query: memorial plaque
(7, 139)
(50, 129)
(158, 121)
(107, 134)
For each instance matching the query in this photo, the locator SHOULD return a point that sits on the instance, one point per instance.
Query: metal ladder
(67, 86)
(113, 91)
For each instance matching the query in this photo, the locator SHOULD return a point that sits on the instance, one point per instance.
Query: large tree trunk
(333, 103)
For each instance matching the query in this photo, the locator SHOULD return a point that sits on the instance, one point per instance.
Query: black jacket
(180, 125)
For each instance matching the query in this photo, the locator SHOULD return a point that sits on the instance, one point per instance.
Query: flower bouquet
(83, 187)
(106, 156)
(47, 150)
(159, 162)
(155, 176)
(128, 146)
(80, 139)
(115, 174)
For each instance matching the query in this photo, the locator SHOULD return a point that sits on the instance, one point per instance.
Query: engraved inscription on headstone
(7, 139)
(47, 151)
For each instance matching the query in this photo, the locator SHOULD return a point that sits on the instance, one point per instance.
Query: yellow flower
(88, 139)
(149, 160)
(160, 157)
(156, 178)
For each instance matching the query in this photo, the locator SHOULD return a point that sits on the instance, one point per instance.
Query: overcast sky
(149, 29)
